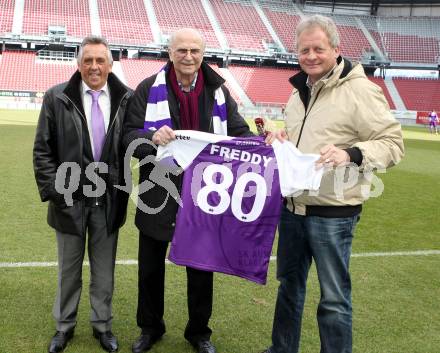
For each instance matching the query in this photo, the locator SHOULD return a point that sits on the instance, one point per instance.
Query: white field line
(272, 258)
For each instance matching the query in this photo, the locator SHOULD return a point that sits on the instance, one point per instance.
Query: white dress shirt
(104, 104)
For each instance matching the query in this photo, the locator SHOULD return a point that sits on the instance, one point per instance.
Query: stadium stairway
(298, 11)
(154, 24)
(17, 22)
(118, 71)
(370, 39)
(215, 25)
(394, 93)
(237, 88)
(268, 25)
(241, 25)
(95, 22)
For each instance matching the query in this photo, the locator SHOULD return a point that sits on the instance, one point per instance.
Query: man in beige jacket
(334, 111)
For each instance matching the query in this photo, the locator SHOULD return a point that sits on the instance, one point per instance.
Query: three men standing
(78, 143)
(334, 111)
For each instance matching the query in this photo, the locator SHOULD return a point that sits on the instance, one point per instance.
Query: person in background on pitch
(185, 94)
(81, 123)
(334, 111)
(433, 122)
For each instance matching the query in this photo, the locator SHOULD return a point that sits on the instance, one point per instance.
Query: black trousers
(151, 280)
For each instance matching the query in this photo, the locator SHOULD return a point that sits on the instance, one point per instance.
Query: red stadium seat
(74, 15)
(419, 94)
(23, 71)
(264, 85)
(6, 16)
(411, 48)
(241, 25)
(412, 40)
(381, 83)
(190, 14)
(284, 25)
(353, 42)
(228, 86)
(135, 70)
(124, 21)
(406, 39)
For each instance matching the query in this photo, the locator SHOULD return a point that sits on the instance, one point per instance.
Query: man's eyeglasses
(184, 52)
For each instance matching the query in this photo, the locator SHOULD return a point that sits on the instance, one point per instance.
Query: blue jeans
(328, 242)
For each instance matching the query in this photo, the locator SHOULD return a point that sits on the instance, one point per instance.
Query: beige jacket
(346, 110)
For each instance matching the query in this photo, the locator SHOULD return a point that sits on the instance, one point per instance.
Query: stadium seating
(22, 71)
(412, 40)
(190, 14)
(73, 14)
(264, 85)
(124, 21)
(400, 39)
(370, 24)
(284, 22)
(228, 86)
(378, 40)
(411, 49)
(6, 15)
(419, 94)
(135, 70)
(241, 25)
(353, 42)
(381, 83)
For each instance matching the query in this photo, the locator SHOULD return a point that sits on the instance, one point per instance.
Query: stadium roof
(372, 2)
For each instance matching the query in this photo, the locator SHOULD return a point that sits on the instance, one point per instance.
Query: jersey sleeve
(296, 170)
(187, 146)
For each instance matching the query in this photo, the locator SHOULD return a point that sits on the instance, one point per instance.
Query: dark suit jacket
(62, 136)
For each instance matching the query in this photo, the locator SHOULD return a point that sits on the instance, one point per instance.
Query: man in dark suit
(77, 161)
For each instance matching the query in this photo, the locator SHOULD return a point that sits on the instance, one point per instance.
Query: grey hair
(325, 23)
(94, 40)
(178, 32)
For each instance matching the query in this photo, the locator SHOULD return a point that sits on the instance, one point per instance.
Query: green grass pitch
(395, 298)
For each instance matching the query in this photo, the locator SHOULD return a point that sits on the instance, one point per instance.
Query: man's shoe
(59, 341)
(107, 340)
(204, 346)
(144, 342)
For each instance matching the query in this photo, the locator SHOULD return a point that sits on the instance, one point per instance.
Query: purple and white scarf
(158, 111)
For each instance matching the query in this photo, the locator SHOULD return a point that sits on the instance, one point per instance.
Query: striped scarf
(158, 111)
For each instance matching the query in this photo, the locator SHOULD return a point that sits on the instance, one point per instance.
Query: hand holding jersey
(280, 135)
(231, 196)
(330, 155)
(164, 135)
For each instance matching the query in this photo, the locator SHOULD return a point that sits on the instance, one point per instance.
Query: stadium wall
(386, 10)
(406, 11)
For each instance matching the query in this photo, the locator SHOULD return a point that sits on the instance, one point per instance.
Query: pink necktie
(98, 127)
